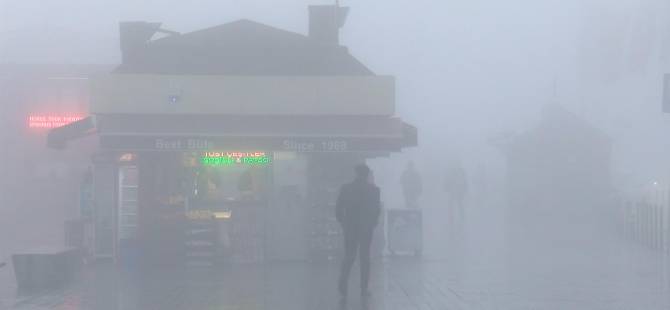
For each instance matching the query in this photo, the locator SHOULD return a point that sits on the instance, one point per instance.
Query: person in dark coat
(358, 209)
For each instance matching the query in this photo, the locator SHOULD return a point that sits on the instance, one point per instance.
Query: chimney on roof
(325, 22)
(133, 36)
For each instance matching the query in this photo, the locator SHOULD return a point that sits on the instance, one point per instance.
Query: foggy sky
(466, 70)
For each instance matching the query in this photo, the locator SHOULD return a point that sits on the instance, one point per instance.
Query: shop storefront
(243, 197)
(198, 167)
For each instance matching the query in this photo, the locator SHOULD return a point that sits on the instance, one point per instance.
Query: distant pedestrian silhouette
(412, 185)
(358, 209)
(456, 187)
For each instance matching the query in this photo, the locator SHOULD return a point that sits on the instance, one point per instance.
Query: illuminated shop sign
(234, 158)
(315, 146)
(127, 157)
(182, 144)
(48, 121)
(208, 215)
(298, 145)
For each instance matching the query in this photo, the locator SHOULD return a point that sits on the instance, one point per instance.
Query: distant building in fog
(559, 169)
(39, 186)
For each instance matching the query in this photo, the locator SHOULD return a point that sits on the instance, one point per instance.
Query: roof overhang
(275, 133)
(58, 137)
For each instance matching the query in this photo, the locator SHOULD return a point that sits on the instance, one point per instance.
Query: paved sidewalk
(630, 279)
(481, 272)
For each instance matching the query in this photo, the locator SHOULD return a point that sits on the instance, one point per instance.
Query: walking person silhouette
(358, 208)
(456, 187)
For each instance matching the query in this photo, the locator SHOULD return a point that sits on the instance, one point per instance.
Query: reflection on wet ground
(615, 277)
(481, 269)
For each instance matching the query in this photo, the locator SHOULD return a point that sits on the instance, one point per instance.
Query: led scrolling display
(234, 158)
(51, 121)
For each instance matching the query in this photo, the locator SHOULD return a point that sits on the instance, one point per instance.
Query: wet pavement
(480, 269)
(629, 278)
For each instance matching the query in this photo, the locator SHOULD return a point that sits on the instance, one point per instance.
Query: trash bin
(46, 267)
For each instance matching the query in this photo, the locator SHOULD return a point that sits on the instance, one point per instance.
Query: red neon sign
(48, 121)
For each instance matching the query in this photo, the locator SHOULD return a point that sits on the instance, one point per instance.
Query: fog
(553, 110)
